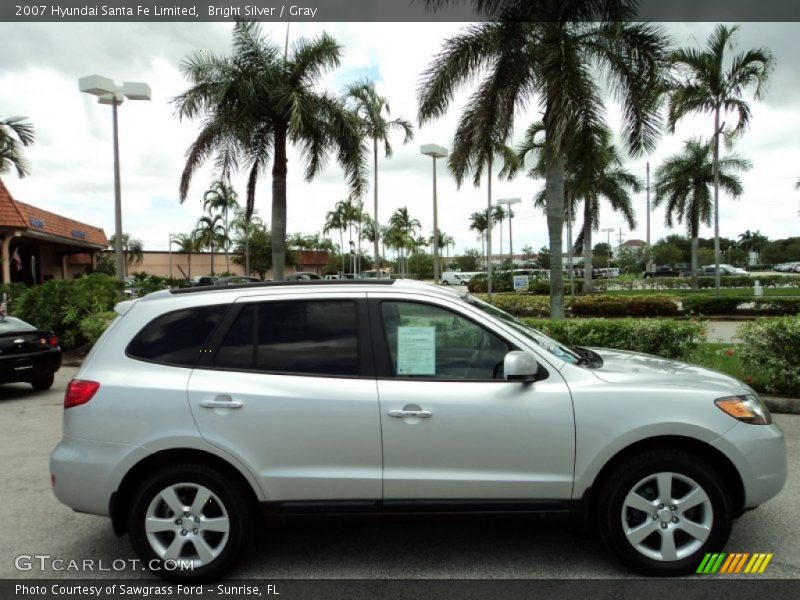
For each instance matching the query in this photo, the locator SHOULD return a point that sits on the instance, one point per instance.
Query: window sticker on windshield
(416, 351)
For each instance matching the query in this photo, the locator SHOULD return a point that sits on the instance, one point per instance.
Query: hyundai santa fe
(199, 409)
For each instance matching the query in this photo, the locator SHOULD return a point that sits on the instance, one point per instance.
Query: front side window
(429, 342)
(315, 337)
(176, 338)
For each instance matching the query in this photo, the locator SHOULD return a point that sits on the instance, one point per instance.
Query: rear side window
(176, 338)
(317, 337)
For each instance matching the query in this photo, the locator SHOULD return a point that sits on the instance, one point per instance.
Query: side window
(176, 338)
(429, 342)
(314, 337)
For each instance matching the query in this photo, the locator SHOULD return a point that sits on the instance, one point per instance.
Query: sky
(72, 161)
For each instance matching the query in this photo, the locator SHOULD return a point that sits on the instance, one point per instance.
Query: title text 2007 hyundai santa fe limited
(197, 408)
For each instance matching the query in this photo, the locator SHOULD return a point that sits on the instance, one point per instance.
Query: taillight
(79, 392)
(53, 341)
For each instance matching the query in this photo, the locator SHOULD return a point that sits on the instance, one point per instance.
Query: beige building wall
(157, 263)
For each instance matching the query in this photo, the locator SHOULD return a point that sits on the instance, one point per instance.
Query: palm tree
(223, 198)
(552, 53)
(405, 229)
(244, 225)
(480, 223)
(132, 250)
(683, 184)
(370, 108)
(752, 241)
(499, 215)
(188, 243)
(254, 103)
(334, 219)
(210, 233)
(705, 85)
(15, 134)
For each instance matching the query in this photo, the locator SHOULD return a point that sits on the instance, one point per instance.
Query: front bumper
(759, 454)
(87, 472)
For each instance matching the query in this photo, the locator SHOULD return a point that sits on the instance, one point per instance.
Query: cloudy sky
(72, 160)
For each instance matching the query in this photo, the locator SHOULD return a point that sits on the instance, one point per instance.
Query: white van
(454, 278)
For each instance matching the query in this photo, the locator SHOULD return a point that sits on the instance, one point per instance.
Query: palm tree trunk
(695, 246)
(587, 245)
(279, 205)
(341, 248)
(189, 263)
(716, 203)
(489, 229)
(227, 257)
(247, 250)
(375, 193)
(212, 258)
(554, 198)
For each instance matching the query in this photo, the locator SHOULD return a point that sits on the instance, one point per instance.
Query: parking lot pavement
(33, 522)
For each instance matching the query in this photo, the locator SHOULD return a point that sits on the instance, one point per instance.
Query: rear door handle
(415, 414)
(221, 402)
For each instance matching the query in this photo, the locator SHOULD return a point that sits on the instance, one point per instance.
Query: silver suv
(200, 406)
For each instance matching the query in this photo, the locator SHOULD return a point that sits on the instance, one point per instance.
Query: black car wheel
(43, 383)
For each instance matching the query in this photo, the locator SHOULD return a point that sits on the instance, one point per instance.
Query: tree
(222, 198)
(552, 53)
(402, 232)
(704, 84)
(480, 223)
(132, 250)
(544, 258)
(752, 242)
(15, 134)
(345, 215)
(189, 243)
(682, 185)
(468, 261)
(667, 254)
(370, 108)
(499, 215)
(260, 243)
(243, 225)
(257, 101)
(210, 234)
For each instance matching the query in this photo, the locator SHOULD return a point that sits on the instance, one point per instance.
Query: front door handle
(413, 414)
(221, 402)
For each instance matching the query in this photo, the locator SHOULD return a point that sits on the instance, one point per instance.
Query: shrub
(93, 326)
(61, 304)
(13, 292)
(731, 305)
(501, 282)
(710, 305)
(771, 348)
(625, 306)
(523, 305)
(662, 337)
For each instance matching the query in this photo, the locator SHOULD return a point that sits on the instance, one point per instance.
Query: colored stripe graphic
(734, 562)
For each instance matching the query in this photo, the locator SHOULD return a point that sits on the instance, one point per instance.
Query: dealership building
(37, 245)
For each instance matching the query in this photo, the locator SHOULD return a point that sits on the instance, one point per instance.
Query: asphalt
(33, 522)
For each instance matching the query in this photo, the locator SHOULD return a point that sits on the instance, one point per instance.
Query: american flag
(17, 259)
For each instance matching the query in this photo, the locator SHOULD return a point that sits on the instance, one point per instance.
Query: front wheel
(190, 522)
(663, 510)
(43, 383)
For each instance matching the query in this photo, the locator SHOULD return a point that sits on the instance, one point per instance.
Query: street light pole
(108, 92)
(435, 152)
(169, 246)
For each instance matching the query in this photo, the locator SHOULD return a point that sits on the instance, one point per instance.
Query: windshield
(549, 344)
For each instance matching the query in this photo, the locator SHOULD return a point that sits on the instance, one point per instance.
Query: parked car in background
(376, 274)
(301, 276)
(28, 354)
(664, 271)
(724, 271)
(198, 407)
(235, 280)
(454, 278)
(787, 267)
(333, 277)
(201, 280)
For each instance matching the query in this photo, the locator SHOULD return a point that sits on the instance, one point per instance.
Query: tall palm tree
(752, 241)
(335, 219)
(371, 108)
(189, 243)
(479, 222)
(132, 250)
(683, 185)
(244, 225)
(258, 100)
(704, 84)
(223, 198)
(499, 215)
(15, 134)
(210, 233)
(558, 55)
(406, 229)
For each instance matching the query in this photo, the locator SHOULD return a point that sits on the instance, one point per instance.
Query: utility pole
(647, 246)
(620, 236)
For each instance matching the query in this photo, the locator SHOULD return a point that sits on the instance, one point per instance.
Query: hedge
(677, 283)
(661, 337)
(771, 348)
(625, 306)
(743, 305)
(503, 282)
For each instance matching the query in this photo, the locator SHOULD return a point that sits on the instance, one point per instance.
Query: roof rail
(270, 284)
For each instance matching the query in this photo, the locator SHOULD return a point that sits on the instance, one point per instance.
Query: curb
(782, 405)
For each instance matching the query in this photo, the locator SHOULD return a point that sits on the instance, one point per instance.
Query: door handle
(221, 402)
(415, 414)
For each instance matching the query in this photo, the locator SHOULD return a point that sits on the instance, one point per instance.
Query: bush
(13, 292)
(93, 326)
(625, 306)
(61, 304)
(501, 282)
(662, 337)
(743, 305)
(523, 305)
(771, 348)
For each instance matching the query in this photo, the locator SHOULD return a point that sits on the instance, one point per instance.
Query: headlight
(748, 409)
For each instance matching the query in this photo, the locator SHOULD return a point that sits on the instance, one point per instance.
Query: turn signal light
(748, 409)
(79, 392)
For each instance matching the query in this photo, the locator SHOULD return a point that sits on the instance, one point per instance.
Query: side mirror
(520, 366)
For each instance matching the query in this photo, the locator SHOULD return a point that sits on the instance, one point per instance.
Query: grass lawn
(726, 292)
(724, 358)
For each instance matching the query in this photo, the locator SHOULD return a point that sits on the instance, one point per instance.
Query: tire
(445, 282)
(700, 521)
(220, 549)
(43, 383)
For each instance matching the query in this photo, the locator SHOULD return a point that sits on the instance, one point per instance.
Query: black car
(28, 354)
(235, 280)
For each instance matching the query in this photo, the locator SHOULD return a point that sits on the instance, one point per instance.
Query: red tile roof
(19, 215)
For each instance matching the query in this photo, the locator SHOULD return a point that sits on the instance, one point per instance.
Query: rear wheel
(663, 510)
(43, 383)
(190, 522)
